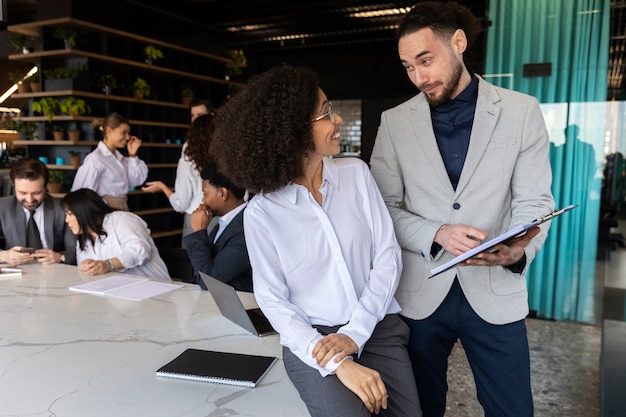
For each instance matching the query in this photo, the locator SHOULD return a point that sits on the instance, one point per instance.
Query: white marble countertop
(66, 354)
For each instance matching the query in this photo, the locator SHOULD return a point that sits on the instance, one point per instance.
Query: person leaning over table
(187, 194)
(462, 161)
(105, 170)
(325, 260)
(52, 240)
(109, 239)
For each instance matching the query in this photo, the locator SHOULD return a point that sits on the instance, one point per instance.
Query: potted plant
(238, 59)
(73, 133)
(152, 54)
(74, 106)
(55, 180)
(58, 131)
(187, 95)
(48, 106)
(26, 130)
(70, 77)
(141, 88)
(34, 82)
(67, 34)
(107, 82)
(74, 158)
(20, 42)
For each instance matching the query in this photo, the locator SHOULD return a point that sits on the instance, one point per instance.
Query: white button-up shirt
(335, 264)
(109, 173)
(128, 239)
(187, 194)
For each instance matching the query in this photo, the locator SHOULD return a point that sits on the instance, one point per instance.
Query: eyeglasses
(330, 114)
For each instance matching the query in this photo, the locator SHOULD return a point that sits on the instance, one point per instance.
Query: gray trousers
(384, 352)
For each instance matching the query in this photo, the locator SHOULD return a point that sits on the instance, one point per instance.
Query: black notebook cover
(221, 367)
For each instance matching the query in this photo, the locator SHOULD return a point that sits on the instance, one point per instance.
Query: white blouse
(187, 194)
(338, 264)
(128, 239)
(109, 173)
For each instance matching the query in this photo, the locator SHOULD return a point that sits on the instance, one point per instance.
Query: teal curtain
(572, 35)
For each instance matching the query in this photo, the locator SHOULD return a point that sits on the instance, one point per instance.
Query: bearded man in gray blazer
(461, 162)
(55, 242)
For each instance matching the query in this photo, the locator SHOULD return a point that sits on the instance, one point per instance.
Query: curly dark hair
(198, 141)
(263, 134)
(90, 210)
(443, 18)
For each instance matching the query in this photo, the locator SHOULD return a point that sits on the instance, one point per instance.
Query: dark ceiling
(354, 52)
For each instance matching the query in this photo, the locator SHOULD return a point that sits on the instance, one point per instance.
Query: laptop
(229, 304)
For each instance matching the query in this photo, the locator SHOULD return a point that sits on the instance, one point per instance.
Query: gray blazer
(58, 235)
(505, 182)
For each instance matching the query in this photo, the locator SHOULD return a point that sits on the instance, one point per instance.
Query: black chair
(178, 264)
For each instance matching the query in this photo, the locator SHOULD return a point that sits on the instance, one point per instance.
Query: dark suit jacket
(58, 236)
(226, 260)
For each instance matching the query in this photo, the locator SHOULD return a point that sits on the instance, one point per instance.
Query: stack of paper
(129, 288)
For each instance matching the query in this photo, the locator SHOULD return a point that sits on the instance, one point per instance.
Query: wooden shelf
(65, 118)
(49, 142)
(89, 94)
(148, 212)
(32, 29)
(34, 56)
(167, 233)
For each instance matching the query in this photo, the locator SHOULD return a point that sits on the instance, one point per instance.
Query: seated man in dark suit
(33, 219)
(222, 253)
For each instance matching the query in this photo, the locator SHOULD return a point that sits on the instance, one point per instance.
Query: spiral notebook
(219, 367)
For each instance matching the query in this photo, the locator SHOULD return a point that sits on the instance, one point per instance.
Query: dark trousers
(498, 356)
(384, 352)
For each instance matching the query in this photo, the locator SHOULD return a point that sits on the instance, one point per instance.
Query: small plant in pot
(58, 131)
(107, 82)
(55, 180)
(20, 42)
(34, 82)
(74, 158)
(26, 130)
(187, 95)
(67, 34)
(152, 54)
(141, 88)
(48, 106)
(74, 106)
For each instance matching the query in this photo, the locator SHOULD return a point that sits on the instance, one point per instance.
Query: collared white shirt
(128, 239)
(39, 221)
(187, 194)
(109, 173)
(330, 265)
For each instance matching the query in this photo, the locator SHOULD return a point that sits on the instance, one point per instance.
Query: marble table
(66, 354)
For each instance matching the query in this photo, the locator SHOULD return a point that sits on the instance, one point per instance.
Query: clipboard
(508, 235)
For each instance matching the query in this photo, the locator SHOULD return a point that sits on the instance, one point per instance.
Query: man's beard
(449, 89)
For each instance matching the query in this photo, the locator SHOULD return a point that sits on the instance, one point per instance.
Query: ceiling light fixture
(381, 13)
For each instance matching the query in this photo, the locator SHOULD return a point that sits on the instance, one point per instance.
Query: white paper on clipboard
(516, 231)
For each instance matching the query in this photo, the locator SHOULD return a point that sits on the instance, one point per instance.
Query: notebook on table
(219, 367)
(229, 304)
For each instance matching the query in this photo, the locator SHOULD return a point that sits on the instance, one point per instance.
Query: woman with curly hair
(325, 260)
(187, 194)
(110, 240)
